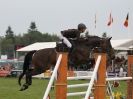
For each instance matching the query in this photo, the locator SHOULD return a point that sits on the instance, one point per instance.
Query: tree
(7, 47)
(11, 42)
(50, 38)
(104, 35)
(32, 27)
(32, 37)
(9, 33)
(8, 43)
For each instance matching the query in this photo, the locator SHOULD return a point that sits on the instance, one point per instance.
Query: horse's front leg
(90, 63)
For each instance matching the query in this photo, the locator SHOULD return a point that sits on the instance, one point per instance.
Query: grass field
(9, 89)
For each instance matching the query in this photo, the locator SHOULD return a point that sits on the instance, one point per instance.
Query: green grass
(9, 89)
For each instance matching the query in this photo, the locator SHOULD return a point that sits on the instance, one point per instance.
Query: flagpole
(130, 25)
(128, 28)
(95, 27)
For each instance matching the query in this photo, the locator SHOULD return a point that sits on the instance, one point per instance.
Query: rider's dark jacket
(71, 33)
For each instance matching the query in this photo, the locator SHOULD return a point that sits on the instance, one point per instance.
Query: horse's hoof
(21, 89)
(24, 87)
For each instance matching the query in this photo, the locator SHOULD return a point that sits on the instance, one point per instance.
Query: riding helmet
(81, 26)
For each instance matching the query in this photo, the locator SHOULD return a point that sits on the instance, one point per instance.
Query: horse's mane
(93, 36)
(96, 37)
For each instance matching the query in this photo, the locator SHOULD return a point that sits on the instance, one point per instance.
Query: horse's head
(99, 44)
(106, 47)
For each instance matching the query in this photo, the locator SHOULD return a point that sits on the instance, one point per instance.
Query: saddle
(61, 47)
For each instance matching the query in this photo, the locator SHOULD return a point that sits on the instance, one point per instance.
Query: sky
(53, 16)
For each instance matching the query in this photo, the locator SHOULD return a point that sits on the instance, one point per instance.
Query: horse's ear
(110, 38)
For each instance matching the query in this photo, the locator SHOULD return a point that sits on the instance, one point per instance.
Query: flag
(110, 20)
(95, 20)
(126, 21)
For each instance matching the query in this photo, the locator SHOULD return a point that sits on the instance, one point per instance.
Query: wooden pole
(61, 83)
(130, 74)
(100, 83)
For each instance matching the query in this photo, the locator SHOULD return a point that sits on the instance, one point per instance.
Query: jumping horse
(37, 62)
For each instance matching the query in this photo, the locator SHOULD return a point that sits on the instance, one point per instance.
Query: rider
(72, 34)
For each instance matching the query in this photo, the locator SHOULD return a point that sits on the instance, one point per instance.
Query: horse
(43, 59)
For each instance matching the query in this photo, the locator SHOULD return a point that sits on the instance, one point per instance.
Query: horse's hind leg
(29, 77)
(28, 81)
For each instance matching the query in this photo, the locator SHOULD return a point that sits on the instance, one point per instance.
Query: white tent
(122, 44)
(38, 46)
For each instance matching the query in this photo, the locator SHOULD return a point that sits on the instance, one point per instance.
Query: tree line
(11, 42)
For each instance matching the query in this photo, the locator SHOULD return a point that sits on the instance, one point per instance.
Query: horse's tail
(27, 62)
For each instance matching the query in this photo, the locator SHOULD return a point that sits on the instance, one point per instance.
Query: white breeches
(66, 41)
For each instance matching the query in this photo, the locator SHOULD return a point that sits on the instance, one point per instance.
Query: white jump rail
(93, 77)
(52, 77)
(76, 93)
(78, 85)
(79, 77)
(118, 78)
(107, 79)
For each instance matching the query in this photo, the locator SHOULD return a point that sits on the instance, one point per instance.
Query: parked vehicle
(4, 73)
(10, 67)
(15, 73)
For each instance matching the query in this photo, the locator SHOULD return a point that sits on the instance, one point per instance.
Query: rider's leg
(66, 41)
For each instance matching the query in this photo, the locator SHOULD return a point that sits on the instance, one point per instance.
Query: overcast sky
(55, 15)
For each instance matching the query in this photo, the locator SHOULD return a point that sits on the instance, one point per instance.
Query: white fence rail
(76, 93)
(79, 77)
(78, 85)
(118, 78)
